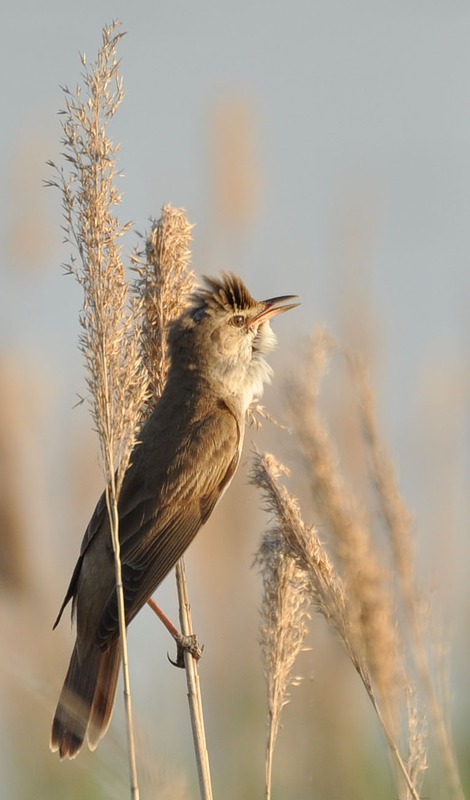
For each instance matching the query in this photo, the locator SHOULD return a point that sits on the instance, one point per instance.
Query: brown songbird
(187, 454)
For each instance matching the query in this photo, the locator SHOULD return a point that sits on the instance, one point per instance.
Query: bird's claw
(186, 644)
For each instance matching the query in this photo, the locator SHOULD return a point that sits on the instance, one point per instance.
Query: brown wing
(95, 524)
(157, 528)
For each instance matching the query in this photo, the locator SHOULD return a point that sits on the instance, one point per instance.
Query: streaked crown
(228, 293)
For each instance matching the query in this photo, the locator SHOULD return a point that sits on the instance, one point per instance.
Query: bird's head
(225, 333)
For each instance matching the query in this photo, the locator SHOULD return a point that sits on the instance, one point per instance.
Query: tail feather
(90, 680)
(105, 693)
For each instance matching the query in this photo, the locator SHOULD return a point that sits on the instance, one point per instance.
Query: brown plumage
(188, 453)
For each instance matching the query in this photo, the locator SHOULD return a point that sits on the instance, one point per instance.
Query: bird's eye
(238, 320)
(199, 314)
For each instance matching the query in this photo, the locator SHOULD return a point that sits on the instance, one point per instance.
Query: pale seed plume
(367, 579)
(163, 285)
(398, 525)
(109, 338)
(284, 612)
(327, 593)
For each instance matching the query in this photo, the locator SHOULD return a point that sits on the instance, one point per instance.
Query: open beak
(271, 308)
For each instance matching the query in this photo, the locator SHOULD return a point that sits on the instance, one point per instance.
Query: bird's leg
(184, 644)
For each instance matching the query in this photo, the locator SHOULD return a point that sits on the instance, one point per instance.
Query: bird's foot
(186, 644)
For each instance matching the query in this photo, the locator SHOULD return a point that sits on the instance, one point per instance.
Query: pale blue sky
(356, 104)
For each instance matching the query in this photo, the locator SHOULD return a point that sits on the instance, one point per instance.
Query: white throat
(258, 371)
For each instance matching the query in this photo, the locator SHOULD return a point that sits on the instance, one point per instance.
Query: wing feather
(156, 527)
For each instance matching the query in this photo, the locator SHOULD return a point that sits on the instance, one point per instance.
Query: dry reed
(284, 612)
(374, 606)
(109, 338)
(163, 284)
(329, 597)
(124, 327)
(15, 567)
(399, 528)
(367, 593)
(366, 577)
(235, 163)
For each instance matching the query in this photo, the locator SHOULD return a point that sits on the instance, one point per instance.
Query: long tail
(86, 701)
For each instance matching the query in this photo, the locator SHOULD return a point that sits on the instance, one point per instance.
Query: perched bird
(187, 454)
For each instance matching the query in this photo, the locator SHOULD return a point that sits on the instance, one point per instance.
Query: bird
(186, 456)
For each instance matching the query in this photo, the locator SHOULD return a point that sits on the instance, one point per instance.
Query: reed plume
(109, 338)
(284, 612)
(124, 325)
(374, 606)
(366, 591)
(328, 595)
(366, 577)
(162, 285)
(398, 524)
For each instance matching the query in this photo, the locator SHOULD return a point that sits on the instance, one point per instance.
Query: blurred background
(321, 149)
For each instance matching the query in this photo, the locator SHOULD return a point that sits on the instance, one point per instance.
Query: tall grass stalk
(124, 326)
(399, 527)
(368, 592)
(109, 338)
(163, 284)
(194, 687)
(346, 516)
(325, 588)
(375, 603)
(284, 613)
